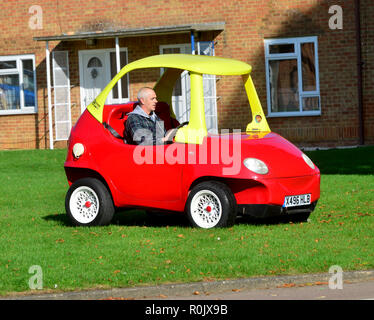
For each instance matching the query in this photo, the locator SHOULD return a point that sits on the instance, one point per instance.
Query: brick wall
(247, 24)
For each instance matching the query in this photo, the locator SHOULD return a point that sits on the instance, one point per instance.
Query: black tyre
(211, 204)
(89, 203)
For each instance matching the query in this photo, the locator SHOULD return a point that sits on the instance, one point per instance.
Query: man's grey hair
(143, 93)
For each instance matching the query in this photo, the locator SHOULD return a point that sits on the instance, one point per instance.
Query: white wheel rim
(206, 209)
(84, 204)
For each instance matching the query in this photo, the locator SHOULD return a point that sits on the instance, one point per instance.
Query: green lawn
(138, 250)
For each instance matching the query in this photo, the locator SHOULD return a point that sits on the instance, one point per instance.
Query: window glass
(310, 103)
(9, 92)
(113, 72)
(308, 66)
(28, 83)
(94, 62)
(282, 48)
(206, 48)
(8, 64)
(177, 91)
(284, 85)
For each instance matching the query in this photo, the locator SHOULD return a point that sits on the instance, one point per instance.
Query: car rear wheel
(211, 204)
(89, 203)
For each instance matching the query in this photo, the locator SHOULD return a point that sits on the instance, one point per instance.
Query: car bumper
(273, 191)
(268, 211)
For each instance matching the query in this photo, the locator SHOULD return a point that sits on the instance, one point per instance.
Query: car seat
(163, 112)
(115, 116)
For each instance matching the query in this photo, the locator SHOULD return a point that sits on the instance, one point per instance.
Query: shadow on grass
(359, 160)
(59, 218)
(132, 218)
(142, 218)
(269, 221)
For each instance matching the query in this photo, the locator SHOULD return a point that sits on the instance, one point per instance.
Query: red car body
(210, 177)
(164, 185)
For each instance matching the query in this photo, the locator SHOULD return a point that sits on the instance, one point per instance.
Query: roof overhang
(137, 32)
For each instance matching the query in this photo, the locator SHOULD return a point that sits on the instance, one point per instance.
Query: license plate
(298, 200)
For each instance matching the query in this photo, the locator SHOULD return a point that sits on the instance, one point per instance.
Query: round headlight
(256, 165)
(78, 150)
(308, 161)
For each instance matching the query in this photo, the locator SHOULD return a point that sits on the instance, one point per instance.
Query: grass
(357, 161)
(138, 250)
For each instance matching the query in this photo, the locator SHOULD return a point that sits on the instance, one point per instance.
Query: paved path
(356, 285)
(320, 291)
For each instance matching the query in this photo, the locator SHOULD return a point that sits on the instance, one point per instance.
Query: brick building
(313, 75)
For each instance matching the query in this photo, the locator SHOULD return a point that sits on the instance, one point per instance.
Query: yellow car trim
(198, 65)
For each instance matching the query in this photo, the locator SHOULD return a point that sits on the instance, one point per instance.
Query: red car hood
(282, 158)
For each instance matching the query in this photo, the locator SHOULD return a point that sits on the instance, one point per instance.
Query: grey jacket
(144, 129)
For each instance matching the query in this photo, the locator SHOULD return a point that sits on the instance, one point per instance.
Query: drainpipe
(193, 42)
(359, 72)
(48, 65)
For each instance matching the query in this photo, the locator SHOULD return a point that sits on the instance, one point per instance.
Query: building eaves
(137, 32)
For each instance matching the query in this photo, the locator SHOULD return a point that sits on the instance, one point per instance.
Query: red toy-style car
(210, 177)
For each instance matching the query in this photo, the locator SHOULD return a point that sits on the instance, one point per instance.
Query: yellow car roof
(195, 63)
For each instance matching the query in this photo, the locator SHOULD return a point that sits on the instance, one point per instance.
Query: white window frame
(19, 71)
(120, 99)
(295, 55)
(55, 67)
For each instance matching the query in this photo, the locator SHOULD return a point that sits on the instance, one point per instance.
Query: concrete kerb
(188, 289)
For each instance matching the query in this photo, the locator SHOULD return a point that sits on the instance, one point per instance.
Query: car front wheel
(89, 203)
(211, 204)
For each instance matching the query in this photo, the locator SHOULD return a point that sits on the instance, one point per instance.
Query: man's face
(149, 102)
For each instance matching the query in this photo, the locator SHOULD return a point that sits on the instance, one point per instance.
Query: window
(124, 80)
(181, 99)
(17, 84)
(292, 80)
(177, 91)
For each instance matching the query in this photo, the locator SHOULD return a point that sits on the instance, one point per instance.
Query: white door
(182, 90)
(93, 73)
(96, 69)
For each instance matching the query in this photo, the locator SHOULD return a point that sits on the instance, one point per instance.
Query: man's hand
(169, 135)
